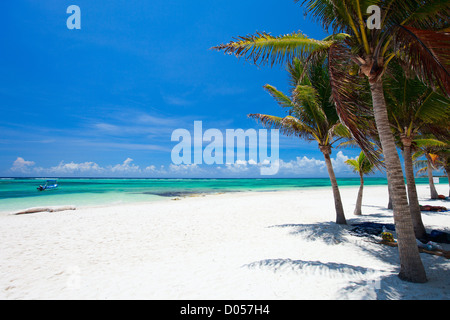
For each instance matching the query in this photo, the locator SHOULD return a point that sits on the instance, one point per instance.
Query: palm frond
(289, 126)
(297, 70)
(427, 53)
(422, 171)
(411, 104)
(353, 163)
(422, 143)
(429, 15)
(283, 100)
(361, 164)
(351, 97)
(420, 164)
(348, 144)
(341, 131)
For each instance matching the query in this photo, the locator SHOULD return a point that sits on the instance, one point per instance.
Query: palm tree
(409, 31)
(436, 157)
(362, 166)
(444, 162)
(312, 116)
(446, 166)
(413, 106)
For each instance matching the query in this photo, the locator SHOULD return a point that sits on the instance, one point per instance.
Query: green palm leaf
(361, 165)
(264, 48)
(289, 126)
(283, 100)
(422, 143)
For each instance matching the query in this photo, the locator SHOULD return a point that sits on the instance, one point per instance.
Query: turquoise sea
(17, 194)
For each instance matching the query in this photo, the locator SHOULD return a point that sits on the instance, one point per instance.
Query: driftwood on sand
(45, 209)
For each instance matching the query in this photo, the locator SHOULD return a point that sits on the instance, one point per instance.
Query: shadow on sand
(328, 232)
(360, 282)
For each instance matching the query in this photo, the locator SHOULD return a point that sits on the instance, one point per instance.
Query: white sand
(266, 245)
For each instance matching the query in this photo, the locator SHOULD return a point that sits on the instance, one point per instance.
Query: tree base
(412, 278)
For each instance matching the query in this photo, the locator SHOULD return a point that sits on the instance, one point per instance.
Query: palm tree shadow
(329, 269)
(333, 234)
(383, 208)
(380, 287)
(328, 232)
(363, 283)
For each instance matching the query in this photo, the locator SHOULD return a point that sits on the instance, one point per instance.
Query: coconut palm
(409, 31)
(362, 166)
(436, 157)
(312, 116)
(444, 162)
(446, 165)
(413, 106)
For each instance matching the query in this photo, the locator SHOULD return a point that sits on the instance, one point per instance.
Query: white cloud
(126, 167)
(21, 165)
(241, 166)
(77, 169)
(339, 162)
(186, 169)
(303, 166)
(311, 166)
(299, 167)
(72, 167)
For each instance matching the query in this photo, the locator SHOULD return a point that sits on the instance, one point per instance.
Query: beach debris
(386, 231)
(435, 250)
(372, 229)
(439, 236)
(44, 209)
(433, 208)
(387, 236)
(430, 246)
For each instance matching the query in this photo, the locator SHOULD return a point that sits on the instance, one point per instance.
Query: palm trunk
(340, 216)
(411, 267)
(358, 206)
(414, 207)
(433, 192)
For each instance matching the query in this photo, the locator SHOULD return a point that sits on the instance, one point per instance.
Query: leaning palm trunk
(358, 210)
(340, 216)
(433, 192)
(411, 267)
(414, 207)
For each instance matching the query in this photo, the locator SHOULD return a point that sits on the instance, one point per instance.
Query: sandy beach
(255, 245)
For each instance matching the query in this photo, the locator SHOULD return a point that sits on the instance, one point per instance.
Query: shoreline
(246, 245)
(196, 194)
(183, 196)
(82, 194)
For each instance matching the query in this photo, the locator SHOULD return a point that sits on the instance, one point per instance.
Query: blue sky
(104, 100)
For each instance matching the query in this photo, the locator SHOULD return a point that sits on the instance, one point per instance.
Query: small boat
(49, 185)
